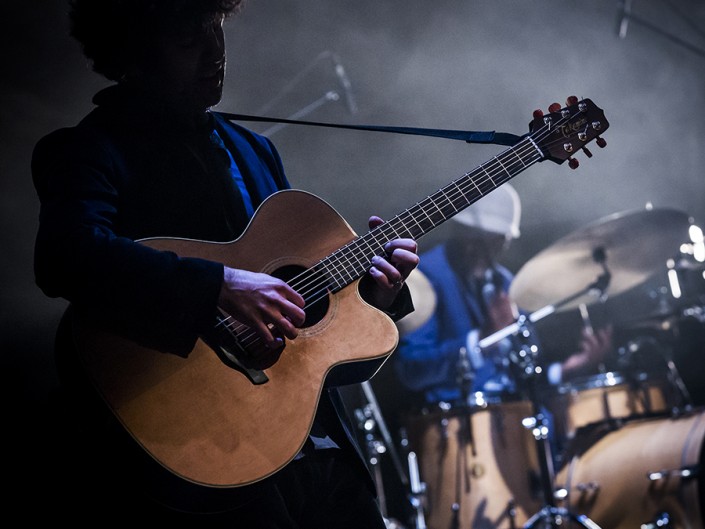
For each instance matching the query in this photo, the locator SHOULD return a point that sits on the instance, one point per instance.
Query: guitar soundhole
(312, 285)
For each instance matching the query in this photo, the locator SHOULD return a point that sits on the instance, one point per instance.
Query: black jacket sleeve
(80, 254)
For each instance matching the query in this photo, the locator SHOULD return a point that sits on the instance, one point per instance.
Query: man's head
(174, 48)
(482, 231)
(499, 212)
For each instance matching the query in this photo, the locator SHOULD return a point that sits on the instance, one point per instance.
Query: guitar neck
(352, 261)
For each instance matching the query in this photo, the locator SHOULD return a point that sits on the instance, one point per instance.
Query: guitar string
(322, 284)
(486, 169)
(516, 151)
(238, 327)
(390, 225)
(442, 201)
(341, 255)
(449, 199)
(494, 167)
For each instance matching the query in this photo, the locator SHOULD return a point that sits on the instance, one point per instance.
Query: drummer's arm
(501, 313)
(594, 347)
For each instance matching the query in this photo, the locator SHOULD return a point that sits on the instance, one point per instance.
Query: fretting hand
(390, 272)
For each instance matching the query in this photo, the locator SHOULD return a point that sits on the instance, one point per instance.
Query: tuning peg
(554, 107)
(571, 100)
(601, 143)
(587, 152)
(573, 163)
(538, 113)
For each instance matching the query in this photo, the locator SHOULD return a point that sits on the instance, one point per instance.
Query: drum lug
(537, 425)
(685, 472)
(584, 489)
(560, 494)
(590, 486)
(662, 520)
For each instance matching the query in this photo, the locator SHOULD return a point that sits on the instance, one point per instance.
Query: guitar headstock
(563, 132)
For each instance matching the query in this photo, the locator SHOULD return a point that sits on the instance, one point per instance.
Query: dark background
(455, 64)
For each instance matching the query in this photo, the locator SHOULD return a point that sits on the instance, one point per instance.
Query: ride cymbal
(613, 254)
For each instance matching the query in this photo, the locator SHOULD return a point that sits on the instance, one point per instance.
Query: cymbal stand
(374, 449)
(684, 402)
(550, 515)
(418, 491)
(464, 378)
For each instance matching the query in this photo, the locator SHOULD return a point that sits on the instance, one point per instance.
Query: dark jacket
(125, 173)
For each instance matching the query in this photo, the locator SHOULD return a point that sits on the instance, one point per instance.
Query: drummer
(442, 359)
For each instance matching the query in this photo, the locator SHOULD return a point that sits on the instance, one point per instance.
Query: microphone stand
(291, 85)
(626, 15)
(369, 419)
(329, 96)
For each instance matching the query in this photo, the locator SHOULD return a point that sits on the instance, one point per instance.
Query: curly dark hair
(114, 33)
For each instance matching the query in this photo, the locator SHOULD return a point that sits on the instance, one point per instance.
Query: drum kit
(622, 448)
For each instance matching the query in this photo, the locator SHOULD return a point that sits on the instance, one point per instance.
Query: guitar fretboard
(352, 260)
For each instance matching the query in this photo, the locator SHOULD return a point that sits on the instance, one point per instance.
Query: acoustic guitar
(222, 417)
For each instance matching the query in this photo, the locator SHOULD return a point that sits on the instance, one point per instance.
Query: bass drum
(479, 466)
(644, 474)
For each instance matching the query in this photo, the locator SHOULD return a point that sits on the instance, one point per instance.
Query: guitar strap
(485, 137)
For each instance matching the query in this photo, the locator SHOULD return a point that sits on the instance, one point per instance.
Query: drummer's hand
(501, 313)
(594, 347)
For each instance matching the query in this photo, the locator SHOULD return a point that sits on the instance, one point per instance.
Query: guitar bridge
(228, 348)
(256, 376)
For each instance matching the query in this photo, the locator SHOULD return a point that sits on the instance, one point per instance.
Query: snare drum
(479, 466)
(646, 471)
(608, 397)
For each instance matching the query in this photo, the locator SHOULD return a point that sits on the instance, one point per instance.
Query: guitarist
(152, 160)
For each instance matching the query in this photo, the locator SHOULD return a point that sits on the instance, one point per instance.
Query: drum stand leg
(549, 515)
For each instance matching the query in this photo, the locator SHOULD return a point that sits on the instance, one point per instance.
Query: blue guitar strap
(486, 137)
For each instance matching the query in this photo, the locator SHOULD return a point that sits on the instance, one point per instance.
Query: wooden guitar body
(207, 422)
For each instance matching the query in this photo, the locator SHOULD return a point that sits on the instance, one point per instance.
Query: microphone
(624, 10)
(345, 83)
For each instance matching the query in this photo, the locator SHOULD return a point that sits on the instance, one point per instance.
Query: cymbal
(424, 298)
(632, 245)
